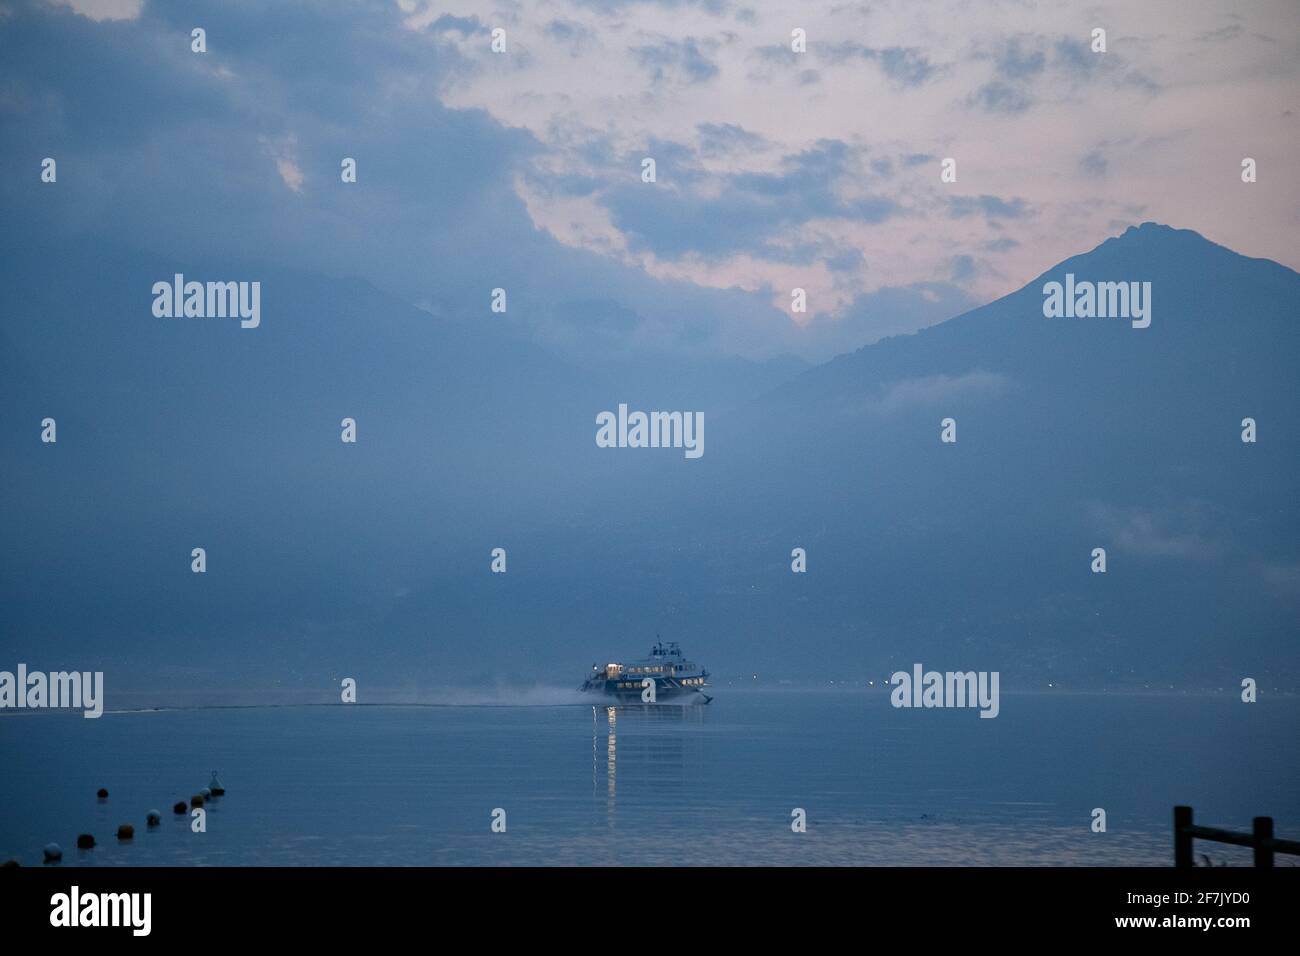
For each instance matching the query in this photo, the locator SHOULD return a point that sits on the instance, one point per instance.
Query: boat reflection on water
(657, 758)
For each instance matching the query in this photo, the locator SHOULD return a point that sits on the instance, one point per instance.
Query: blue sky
(776, 170)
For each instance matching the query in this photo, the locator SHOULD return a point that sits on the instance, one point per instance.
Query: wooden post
(1182, 838)
(1262, 830)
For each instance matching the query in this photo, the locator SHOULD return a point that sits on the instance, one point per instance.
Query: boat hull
(667, 690)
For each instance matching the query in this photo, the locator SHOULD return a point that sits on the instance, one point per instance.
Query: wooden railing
(1260, 838)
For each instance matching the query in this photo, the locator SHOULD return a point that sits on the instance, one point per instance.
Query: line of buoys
(53, 853)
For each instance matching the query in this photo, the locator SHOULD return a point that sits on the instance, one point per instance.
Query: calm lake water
(417, 785)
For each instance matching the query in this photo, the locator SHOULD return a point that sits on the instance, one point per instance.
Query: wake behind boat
(663, 676)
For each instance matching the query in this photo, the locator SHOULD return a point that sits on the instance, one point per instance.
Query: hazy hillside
(372, 559)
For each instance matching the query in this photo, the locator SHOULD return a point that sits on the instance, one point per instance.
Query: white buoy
(53, 853)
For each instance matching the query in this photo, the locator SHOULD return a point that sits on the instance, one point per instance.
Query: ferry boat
(666, 670)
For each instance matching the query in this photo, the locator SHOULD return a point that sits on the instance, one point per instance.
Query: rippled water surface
(670, 785)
